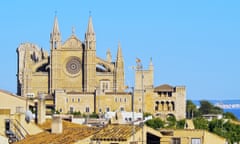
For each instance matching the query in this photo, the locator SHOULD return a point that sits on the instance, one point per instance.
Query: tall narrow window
(71, 109)
(87, 109)
(107, 109)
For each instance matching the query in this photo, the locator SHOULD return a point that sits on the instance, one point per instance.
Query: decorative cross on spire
(73, 30)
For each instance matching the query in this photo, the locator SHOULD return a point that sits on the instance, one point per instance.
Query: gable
(72, 43)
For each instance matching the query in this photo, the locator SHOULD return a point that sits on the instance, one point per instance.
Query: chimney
(41, 109)
(57, 126)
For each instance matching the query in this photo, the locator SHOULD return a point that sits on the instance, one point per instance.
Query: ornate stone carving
(73, 66)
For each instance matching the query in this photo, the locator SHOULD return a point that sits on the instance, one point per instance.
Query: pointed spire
(151, 64)
(109, 56)
(90, 37)
(90, 29)
(55, 36)
(119, 52)
(55, 26)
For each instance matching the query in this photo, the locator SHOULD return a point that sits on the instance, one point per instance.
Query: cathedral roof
(164, 88)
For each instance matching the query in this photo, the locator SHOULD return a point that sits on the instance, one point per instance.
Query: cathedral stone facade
(74, 79)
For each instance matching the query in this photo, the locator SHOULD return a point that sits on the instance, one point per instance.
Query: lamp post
(140, 68)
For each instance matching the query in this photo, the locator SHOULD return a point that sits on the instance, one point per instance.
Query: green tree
(207, 108)
(230, 115)
(200, 123)
(191, 109)
(181, 124)
(171, 121)
(155, 123)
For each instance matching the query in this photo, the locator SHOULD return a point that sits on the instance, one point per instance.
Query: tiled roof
(71, 133)
(115, 133)
(164, 88)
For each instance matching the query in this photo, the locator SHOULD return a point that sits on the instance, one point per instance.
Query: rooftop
(164, 88)
(71, 134)
(115, 133)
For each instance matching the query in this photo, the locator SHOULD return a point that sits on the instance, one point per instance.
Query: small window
(122, 109)
(71, 109)
(139, 99)
(60, 110)
(78, 99)
(120, 100)
(140, 110)
(195, 141)
(116, 100)
(72, 99)
(125, 99)
(87, 109)
(176, 141)
(66, 99)
(107, 109)
(100, 110)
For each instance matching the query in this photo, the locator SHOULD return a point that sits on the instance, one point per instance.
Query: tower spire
(119, 52)
(151, 64)
(109, 56)
(55, 25)
(90, 38)
(90, 29)
(55, 36)
(119, 70)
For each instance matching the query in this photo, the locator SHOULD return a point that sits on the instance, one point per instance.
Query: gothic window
(73, 66)
(105, 85)
(140, 110)
(87, 109)
(107, 109)
(170, 94)
(71, 109)
(173, 106)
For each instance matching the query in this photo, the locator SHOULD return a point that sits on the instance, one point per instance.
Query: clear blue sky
(195, 43)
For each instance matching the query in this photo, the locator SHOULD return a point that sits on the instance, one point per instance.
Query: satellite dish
(28, 116)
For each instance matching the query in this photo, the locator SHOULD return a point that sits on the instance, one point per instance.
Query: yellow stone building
(73, 79)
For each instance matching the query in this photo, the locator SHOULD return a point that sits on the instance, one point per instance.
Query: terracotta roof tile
(164, 88)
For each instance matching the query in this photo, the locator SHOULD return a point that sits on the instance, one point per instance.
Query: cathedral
(73, 79)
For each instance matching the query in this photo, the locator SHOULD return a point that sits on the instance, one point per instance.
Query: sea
(232, 106)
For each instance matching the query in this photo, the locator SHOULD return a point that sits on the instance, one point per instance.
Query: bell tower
(90, 58)
(55, 44)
